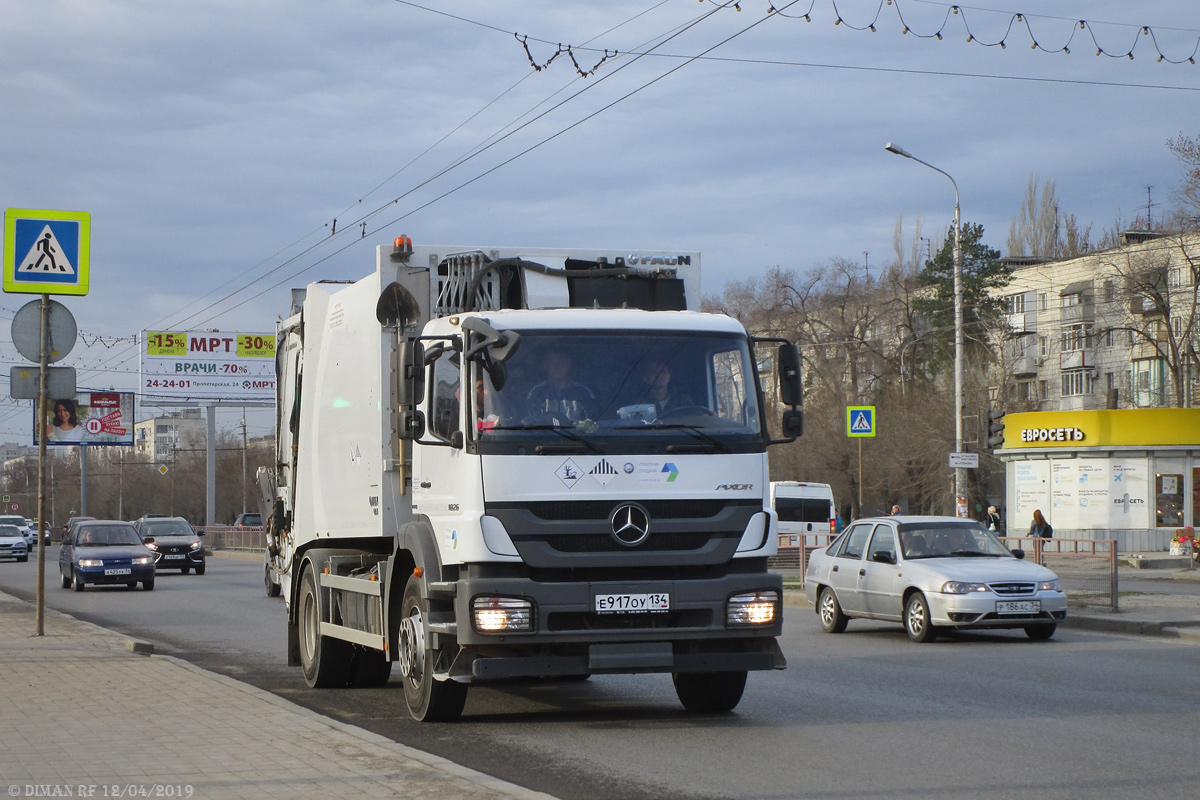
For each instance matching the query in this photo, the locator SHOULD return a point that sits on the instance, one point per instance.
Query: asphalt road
(860, 715)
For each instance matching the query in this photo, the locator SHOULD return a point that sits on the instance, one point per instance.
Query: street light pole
(960, 474)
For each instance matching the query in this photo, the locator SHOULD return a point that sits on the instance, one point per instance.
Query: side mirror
(793, 423)
(200, 531)
(410, 378)
(791, 389)
(1018, 552)
(501, 345)
(883, 557)
(148, 540)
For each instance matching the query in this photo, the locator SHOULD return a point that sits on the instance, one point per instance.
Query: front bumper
(96, 575)
(570, 638)
(978, 610)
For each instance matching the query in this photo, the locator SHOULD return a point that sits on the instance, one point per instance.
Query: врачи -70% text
(184, 790)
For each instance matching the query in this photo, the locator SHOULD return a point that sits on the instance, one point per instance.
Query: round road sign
(27, 331)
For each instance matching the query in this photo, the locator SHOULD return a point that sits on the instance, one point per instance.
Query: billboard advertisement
(208, 365)
(89, 418)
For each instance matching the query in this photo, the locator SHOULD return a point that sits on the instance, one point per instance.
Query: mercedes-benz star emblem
(630, 524)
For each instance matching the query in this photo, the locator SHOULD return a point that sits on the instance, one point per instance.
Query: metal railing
(794, 549)
(1086, 567)
(227, 537)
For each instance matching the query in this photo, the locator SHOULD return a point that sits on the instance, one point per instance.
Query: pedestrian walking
(993, 520)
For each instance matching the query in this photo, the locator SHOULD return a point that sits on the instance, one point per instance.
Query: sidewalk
(86, 707)
(1152, 609)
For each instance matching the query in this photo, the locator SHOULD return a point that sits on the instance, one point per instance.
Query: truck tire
(326, 661)
(273, 588)
(708, 692)
(428, 700)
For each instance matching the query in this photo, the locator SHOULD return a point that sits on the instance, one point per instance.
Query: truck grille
(601, 509)
(579, 534)
(604, 543)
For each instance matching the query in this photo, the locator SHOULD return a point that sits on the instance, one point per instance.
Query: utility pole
(245, 464)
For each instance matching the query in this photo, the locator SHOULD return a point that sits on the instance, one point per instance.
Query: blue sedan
(105, 552)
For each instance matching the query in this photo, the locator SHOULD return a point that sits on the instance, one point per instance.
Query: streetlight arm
(900, 151)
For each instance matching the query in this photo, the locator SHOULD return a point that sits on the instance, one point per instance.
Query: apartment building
(158, 438)
(1113, 329)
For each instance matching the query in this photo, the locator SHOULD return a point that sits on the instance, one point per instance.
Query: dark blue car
(105, 552)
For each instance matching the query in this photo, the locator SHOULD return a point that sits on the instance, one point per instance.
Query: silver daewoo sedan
(931, 573)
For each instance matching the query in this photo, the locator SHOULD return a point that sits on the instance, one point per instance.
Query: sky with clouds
(214, 143)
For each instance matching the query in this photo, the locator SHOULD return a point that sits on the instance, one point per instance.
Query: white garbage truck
(512, 463)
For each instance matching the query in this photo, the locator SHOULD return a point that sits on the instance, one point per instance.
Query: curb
(1171, 629)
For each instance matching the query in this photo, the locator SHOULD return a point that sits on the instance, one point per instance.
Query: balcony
(1078, 314)
(1077, 359)
(1025, 322)
(1025, 365)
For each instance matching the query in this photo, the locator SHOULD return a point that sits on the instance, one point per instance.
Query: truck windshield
(604, 390)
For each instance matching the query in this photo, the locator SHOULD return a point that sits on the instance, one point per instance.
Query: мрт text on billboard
(208, 365)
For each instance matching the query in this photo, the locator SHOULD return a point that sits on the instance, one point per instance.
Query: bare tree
(1154, 288)
(1041, 231)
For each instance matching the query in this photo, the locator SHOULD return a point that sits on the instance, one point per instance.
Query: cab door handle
(862, 573)
(834, 568)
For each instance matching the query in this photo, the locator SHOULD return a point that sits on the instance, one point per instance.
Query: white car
(12, 543)
(931, 573)
(19, 523)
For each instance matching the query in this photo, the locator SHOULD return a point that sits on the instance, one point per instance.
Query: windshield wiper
(970, 553)
(691, 430)
(544, 449)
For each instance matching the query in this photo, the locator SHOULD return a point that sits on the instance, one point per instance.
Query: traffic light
(995, 428)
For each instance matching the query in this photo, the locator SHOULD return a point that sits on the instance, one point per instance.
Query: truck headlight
(752, 608)
(499, 614)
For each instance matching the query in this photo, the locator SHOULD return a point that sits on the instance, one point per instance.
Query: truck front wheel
(707, 692)
(326, 661)
(428, 700)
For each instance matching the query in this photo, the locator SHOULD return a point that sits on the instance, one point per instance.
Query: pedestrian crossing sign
(860, 421)
(46, 252)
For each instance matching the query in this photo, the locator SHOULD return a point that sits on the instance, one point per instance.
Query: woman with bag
(1040, 529)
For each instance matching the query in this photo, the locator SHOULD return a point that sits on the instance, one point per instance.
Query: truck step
(447, 588)
(448, 628)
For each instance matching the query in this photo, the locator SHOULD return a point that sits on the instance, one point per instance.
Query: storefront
(1132, 475)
